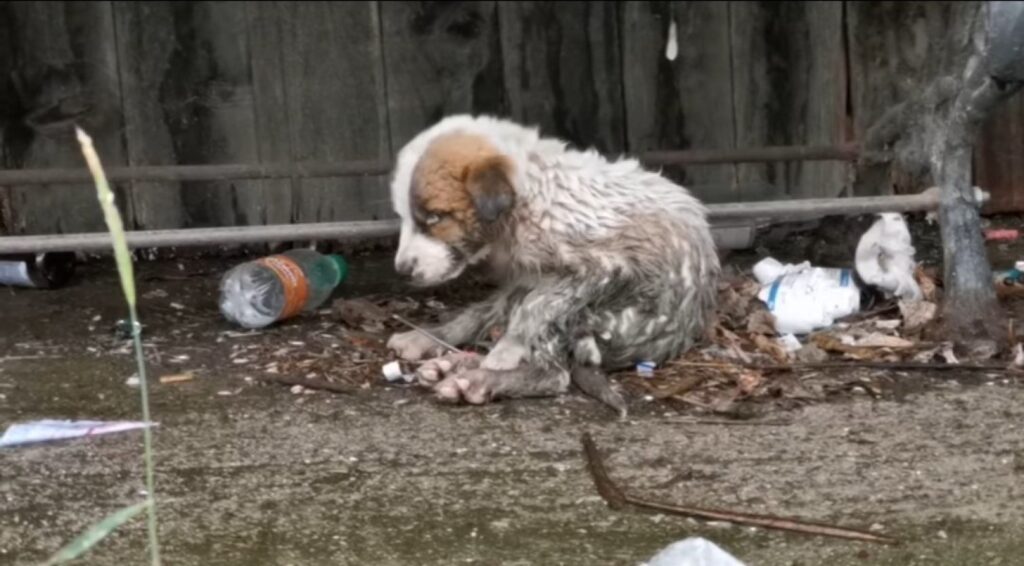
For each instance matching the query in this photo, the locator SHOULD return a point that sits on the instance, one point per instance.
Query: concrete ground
(249, 473)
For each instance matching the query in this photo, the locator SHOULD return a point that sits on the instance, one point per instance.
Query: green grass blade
(96, 533)
(127, 274)
(113, 218)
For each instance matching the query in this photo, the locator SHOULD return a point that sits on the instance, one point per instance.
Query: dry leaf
(926, 282)
(761, 322)
(771, 347)
(748, 381)
(917, 314)
(878, 340)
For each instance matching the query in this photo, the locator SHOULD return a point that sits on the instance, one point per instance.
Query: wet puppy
(603, 264)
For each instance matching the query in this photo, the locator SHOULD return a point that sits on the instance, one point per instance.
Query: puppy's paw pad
(474, 386)
(436, 369)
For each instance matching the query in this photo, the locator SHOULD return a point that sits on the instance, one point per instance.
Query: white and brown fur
(604, 263)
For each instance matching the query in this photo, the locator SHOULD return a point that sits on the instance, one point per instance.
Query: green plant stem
(147, 440)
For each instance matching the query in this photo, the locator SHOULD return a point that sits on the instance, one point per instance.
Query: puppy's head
(457, 191)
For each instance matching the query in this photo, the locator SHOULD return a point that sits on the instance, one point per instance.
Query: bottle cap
(341, 264)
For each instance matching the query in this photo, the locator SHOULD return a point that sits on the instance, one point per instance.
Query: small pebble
(942, 535)
(297, 389)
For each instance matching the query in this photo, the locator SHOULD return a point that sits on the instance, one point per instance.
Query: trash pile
(876, 313)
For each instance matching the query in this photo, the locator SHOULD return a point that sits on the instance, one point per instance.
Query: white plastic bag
(804, 298)
(693, 551)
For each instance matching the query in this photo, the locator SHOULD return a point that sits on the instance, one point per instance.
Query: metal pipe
(847, 152)
(100, 241)
(309, 170)
(197, 172)
(339, 231)
(792, 209)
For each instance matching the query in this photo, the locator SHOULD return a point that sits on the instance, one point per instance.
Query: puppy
(603, 263)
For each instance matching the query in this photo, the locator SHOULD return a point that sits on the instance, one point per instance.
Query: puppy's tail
(594, 382)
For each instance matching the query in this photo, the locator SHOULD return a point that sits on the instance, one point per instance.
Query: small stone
(877, 527)
(942, 535)
(297, 389)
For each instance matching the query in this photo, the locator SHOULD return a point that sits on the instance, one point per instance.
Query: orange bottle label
(296, 287)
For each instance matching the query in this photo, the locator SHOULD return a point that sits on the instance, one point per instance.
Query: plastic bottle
(259, 293)
(803, 298)
(38, 271)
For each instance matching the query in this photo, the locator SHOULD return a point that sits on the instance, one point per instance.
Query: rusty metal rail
(311, 170)
(724, 214)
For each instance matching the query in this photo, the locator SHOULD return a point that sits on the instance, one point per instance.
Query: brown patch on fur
(465, 181)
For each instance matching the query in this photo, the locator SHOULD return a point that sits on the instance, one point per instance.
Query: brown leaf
(761, 322)
(748, 381)
(917, 314)
(355, 313)
(878, 340)
(926, 282)
(771, 347)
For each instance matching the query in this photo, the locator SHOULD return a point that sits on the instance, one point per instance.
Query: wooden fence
(160, 83)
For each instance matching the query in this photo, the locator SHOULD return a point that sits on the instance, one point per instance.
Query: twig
(308, 383)
(900, 366)
(427, 334)
(617, 500)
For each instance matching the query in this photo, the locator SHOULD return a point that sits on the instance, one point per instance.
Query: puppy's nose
(405, 267)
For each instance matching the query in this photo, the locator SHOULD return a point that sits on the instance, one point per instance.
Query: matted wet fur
(604, 264)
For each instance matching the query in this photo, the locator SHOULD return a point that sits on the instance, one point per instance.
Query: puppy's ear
(489, 183)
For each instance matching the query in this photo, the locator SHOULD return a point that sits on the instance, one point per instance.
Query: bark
(931, 139)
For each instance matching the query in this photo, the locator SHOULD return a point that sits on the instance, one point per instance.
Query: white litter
(393, 372)
(694, 551)
(672, 45)
(49, 430)
(804, 298)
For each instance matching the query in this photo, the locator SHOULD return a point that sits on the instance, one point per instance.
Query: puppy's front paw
(506, 355)
(413, 346)
(436, 369)
(474, 386)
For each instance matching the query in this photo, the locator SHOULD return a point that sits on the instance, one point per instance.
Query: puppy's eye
(432, 219)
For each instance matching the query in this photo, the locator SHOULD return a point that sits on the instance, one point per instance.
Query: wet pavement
(250, 473)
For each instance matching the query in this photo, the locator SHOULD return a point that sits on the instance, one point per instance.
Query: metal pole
(340, 231)
(23, 177)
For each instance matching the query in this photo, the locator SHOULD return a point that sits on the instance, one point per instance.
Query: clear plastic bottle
(259, 293)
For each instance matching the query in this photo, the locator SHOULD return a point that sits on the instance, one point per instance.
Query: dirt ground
(255, 473)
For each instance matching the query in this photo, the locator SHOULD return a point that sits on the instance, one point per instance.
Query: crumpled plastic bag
(693, 551)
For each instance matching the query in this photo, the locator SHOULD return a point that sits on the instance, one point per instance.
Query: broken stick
(617, 499)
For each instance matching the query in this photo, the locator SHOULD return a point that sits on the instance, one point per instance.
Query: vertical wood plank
(65, 74)
(563, 70)
(146, 43)
(896, 50)
(273, 130)
(999, 157)
(9, 107)
(441, 58)
(207, 102)
(789, 89)
(334, 82)
(685, 103)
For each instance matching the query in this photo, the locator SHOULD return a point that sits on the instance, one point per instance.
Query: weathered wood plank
(208, 103)
(273, 129)
(66, 74)
(146, 44)
(563, 70)
(999, 157)
(789, 89)
(8, 109)
(334, 84)
(895, 50)
(685, 103)
(441, 58)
